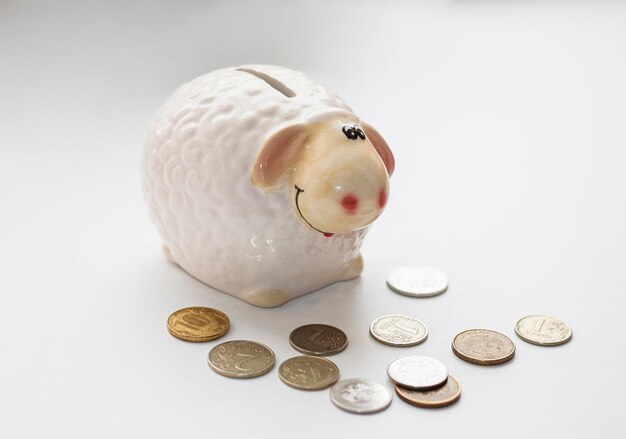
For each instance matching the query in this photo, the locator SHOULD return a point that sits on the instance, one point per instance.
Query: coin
(543, 330)
(360, 395)
(241, 359)
(417, 281)
(483, 346)
(418, 372)
(442, 396)
(318, 339)
(308, 373)
(198, 324)
(398, 330)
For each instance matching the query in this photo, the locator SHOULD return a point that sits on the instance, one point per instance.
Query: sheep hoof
(168, 254)
(267, 298)
(355, 268)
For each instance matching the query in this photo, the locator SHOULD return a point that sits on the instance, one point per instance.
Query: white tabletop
(507, 120)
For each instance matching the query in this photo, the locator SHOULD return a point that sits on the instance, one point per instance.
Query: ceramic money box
(262, 183)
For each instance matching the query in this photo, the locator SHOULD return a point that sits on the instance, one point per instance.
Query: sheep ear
(277, 154)
(381, 146)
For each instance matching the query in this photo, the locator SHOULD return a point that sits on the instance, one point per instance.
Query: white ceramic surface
(262, 183)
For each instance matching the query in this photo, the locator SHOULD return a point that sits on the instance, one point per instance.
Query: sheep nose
(350, 204)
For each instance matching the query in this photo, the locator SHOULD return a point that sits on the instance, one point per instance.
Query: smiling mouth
(298, 192)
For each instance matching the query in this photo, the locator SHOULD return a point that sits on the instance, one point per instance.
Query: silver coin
(418, 373)
(241, 359)
(360, 395)
(543, 330)
(417, 281)
(398, 330)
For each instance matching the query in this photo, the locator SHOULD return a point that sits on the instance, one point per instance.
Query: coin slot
(272, 82)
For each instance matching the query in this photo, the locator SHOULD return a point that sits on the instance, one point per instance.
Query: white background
(507, 119)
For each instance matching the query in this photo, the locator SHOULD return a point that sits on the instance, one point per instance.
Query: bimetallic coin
(543, 330)
(318, 339)
(360, 395)
(241, 359)
(398, 330)
(483, 347)
(442, 396)
(417, 281)
(308, 373)
(198, 324)
(418, 372)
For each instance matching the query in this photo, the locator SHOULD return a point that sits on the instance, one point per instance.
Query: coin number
(247, 357)
(317, 333)
(539, 325)
(402, 326)
(315, 374)
(193, 321)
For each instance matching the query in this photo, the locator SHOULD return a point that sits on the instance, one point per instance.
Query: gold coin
(543, 330)
(442, 396)
(483, 346)
(318, 339)
(308, 373)
(198, 324)
(241, 359)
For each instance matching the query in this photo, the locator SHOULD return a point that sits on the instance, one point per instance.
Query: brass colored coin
(241, 359)
(198, 324)
(318, 339)
(543, 330)
(442, 396)
(308, 373)
(483, 347)
(398, 330)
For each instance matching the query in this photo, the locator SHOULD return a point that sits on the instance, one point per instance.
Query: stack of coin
(419, 380)
(424, 382)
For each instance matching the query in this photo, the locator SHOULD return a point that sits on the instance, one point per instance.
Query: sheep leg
(354, 269)
(168, 254)
(267, 298)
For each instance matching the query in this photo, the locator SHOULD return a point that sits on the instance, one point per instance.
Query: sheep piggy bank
(262, 183)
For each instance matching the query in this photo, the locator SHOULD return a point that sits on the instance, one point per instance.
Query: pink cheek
(382, 198)
(350, 204)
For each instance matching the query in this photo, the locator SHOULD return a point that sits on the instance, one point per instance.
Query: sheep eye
(352, 132)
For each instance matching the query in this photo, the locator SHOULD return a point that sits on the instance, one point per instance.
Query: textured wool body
(196, 166)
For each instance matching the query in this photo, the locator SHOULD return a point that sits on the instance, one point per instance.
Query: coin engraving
(318, 339)
(360, 395)
(417, 281)
(543, 330)
(484, 347)
(398, 330)
(308, 373)
(442, 396)
(198, 324)
(241, 359)
(418, 372)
